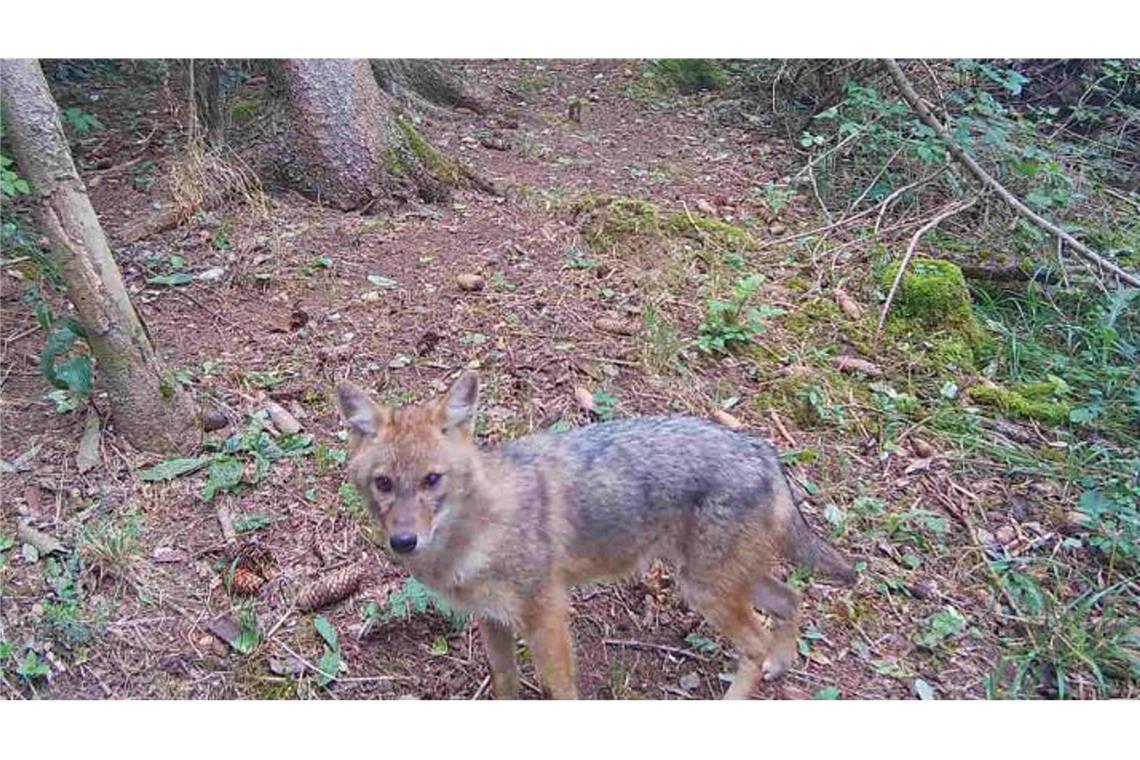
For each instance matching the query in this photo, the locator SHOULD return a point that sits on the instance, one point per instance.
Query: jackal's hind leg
(783, 605)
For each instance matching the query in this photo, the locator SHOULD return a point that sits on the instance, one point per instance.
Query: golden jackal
(505, 533)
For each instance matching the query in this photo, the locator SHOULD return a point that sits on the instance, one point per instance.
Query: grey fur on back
(631, 481)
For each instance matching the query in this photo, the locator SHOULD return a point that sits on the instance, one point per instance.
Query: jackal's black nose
(403, 542)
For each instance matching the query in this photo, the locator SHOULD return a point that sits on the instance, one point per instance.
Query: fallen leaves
(44, 543)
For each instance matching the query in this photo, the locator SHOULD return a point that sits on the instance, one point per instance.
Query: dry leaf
(88, 455)
(922, 448)
(724, 418)
(44, 543)
(918, 465)
(705, 207)
(584, 398)
(849, 305)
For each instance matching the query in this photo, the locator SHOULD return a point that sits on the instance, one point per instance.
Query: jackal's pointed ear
(361, 413)
(457, 410)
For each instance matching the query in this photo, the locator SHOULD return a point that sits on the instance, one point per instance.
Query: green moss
(701, 227)
(934, 293)
(813, 397)
(245, 109)
(823, 320)
(608, 221)
(443, 168)
(1015, 404)
(797, 284)
(692, 74)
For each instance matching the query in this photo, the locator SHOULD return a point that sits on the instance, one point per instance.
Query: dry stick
(910, 252)
(975, 168)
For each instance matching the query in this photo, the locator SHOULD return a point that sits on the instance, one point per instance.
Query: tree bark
(214, 84)
(349, 146)
(146, 403)
(426, 80)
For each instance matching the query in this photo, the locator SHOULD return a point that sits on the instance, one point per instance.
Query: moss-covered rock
(932, 293)
(607, 221)
(1016, 404)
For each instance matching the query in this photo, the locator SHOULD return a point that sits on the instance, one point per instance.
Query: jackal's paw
(776, 664)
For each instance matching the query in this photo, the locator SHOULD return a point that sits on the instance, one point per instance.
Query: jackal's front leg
(548, 635)
(499, 641)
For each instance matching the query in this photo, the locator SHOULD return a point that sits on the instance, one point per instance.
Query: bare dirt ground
(294, 312)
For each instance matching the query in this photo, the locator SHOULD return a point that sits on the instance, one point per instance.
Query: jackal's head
(413, 465)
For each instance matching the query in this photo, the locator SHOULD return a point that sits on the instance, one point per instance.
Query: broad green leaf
(828, 692)
(173, 468)
(326, 630)
(178, 278)
(329, 666)
(225, 474)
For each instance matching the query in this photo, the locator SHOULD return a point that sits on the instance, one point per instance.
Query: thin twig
(912, 97)
(631, 644)
(910, 252)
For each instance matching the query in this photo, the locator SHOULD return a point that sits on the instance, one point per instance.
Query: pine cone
(245, 581)
(331, 588)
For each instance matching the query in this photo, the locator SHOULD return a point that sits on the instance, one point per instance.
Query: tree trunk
(421, 80)
(147, 404)
(349, 146)
(215, 81)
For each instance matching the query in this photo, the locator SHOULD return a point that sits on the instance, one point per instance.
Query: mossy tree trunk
(215, 81)
(349, 146)
(146, 404)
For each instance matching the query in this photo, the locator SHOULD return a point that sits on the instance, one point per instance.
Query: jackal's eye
(383, 483)
(431, 479)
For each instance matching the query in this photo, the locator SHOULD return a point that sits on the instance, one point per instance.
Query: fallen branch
(912, 97)
(910, 252)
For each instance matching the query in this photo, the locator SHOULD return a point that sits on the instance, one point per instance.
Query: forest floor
(141, 600)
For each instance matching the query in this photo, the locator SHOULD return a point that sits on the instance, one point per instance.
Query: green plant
(111, 543)
(605, 404)
(731, 323)
(80, 122)
(691, 74)
(331, 662)
(414, 598)
(243, 458)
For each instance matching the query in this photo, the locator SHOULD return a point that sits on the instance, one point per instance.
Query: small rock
(167, 554)
(470, 282)
(777, 228)
(282, 419)
(922, 448)
(584, 398)
(214, 273)
(855, 364)
(690, 681)
(286, 666)
(214, 419)
(705, 207)
(1005, 535)
(1078, 520)
(371, 296)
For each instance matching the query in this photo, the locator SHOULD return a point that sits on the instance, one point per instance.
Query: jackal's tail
(810, 550)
